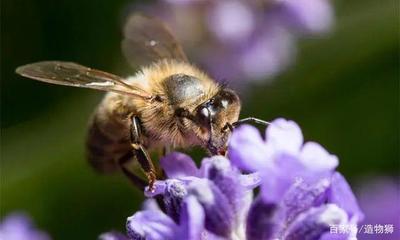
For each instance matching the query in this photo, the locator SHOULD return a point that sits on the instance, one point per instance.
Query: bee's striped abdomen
(107, 142)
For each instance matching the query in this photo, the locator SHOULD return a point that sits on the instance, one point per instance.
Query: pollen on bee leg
(151, 176)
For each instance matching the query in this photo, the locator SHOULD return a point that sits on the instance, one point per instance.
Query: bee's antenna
(250, 119)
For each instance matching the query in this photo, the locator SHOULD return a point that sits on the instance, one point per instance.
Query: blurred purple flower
(305, 16)
(301, 196)
(244, 40)
(18, 226)
(231, 21)
(379, 199)
(113, 235)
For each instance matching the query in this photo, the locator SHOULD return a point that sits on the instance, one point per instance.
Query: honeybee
(167, 103)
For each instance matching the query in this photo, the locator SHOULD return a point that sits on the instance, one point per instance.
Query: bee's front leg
(166, 150)
(137, 181)
(140, 153)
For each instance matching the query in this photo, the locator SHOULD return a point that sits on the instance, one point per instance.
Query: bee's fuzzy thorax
(159, 118)
(152, 77)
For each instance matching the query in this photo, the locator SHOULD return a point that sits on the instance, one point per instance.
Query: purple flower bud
(18, 226)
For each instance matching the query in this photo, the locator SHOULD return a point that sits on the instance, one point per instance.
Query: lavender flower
(211, 201)
(244, 40)
(18, 226)
(298, 181)
(301, 196)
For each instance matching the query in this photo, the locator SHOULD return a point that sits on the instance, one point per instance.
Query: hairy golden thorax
(160, 123)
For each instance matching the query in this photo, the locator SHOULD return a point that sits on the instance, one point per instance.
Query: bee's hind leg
(137, 181)
(140, 153)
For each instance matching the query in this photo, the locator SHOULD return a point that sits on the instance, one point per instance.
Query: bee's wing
(72, 74)
(147, 39)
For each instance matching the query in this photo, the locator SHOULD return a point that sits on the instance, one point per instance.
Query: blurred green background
(342, 90)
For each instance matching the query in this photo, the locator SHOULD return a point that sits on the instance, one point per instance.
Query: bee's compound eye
(204, 113)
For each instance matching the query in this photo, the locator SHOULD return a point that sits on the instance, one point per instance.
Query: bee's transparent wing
(147, 39)
(72, 74)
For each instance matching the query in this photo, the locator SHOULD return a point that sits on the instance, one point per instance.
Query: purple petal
(219, 214)
(178, 165)
(278, 178)
(317, 159)
(151, 225)
(159, 188)
(175, 192)
(302, 195)
(262, 222)
(316, 222)
(192, 219)
(150, 204)
(284, 136)
(341, 194)
(336, 236)
(250, 181)
(219, 170)
(112, 236)
(247, 149)
(211, 236)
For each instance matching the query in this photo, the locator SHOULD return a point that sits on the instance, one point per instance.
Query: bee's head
(215, 116)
